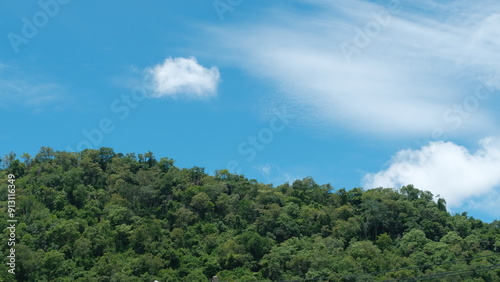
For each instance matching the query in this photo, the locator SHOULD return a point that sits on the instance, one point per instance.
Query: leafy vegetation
(98, 215)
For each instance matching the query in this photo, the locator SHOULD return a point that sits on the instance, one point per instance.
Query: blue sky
(352, 93)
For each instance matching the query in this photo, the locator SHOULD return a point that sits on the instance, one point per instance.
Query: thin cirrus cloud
(24, 89)
(460, 176)
(403, 68)
(184, 77)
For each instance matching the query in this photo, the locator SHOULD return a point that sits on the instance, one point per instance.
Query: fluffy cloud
(382, 69)
(184, 77)
(444, 168)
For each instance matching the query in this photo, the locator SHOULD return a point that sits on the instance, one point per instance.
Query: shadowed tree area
(98, 215)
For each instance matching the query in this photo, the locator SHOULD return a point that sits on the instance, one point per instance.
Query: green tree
(98, 215)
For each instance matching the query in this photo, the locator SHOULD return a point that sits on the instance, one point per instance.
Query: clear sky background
(353, 93)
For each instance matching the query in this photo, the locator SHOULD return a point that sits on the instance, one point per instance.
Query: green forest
(98, 215)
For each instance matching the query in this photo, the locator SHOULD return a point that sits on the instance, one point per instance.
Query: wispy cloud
(409, 65)
(277, 175)
(489, 205)
(22, 89)
(264, 169)
(184, 77)
(448, 169)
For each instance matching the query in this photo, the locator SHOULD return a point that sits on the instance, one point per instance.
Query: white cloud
(447, 169)
(184, 77)
(419, 62)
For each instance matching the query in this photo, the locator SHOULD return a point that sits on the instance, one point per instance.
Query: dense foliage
(98, 215)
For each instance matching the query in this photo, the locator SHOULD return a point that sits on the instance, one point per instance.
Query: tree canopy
(98, 215)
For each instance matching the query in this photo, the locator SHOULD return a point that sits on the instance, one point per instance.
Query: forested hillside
(98, 215)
